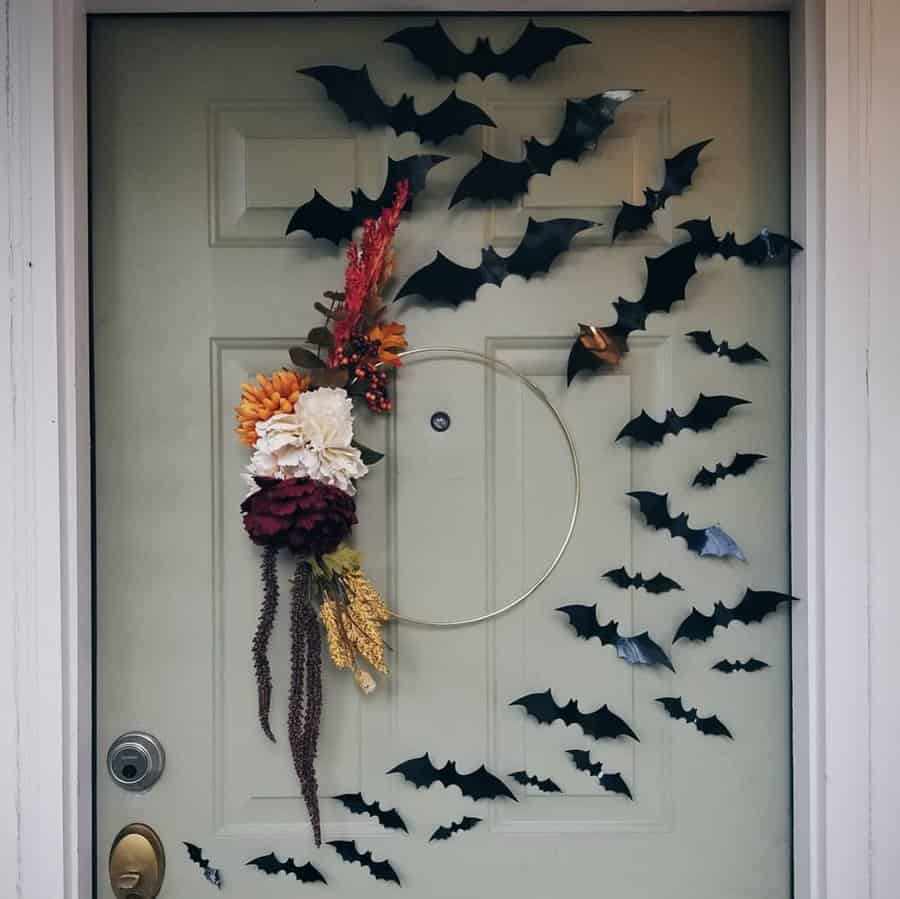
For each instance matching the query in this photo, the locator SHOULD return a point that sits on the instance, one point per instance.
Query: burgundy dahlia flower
(308, 517)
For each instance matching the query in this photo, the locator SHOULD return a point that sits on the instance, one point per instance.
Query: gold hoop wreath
(496, 364)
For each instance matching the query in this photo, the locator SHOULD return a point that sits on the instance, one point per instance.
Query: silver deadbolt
(136, 760)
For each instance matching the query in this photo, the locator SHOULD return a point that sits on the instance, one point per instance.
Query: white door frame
(45, 624)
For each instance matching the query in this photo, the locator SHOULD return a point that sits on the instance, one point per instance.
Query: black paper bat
(269, 864)
(640, 649)
(529, 780)
(478, 784)
(352, 90)
(213, 875)
(667, 279)
(709, 541)
(750, 665)
(659, 583)
(710, 726)
(504, 179)
(707, 411)
(767, 247)
(389, 818)
(600, 724)
(741, 464)
(445, 281)
(431, 45)
(321, 218)
(742, 355)
(679, 172)
(444, 833)
(614, 782)
(754, 606)
(347, 850)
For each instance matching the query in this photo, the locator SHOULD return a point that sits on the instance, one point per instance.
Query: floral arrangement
(302, 478)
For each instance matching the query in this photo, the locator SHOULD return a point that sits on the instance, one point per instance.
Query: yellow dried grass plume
(353, 625)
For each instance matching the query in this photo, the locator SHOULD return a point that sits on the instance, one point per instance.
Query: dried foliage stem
(305, 702)
(262, 636)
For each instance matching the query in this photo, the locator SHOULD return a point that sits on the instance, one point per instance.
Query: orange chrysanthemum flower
(390, 336)
(264, 399)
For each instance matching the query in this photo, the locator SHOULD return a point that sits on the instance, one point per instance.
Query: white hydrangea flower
(313, 441)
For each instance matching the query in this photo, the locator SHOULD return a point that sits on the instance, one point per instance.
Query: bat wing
(756, 604)
(704, 341)
(452, 116)
(321, 218)
(604, 724)
(712, 727)
(752, 665)
(355, 803)
(615, 783)
(681, 167)
(632, 218)
(269, 864)
(414, 170)
(704, 478)
(493, 179)
(347, 850)
(431, 45)
(675, 708)
(541, 706)
(726, 667)
(620, 577)
(581, 759)
(308, 873)
(743, 462)
(582, 359)
(644, 429)
(708, 410)
(195, 854)
(481, 784)
(713, 541)
(352, 90)
(668, 276)
(698, 626)
(766, 247)
(420, 772)
(542, 243)
(444, 833)
(659, 583)
(535, 47)
(444, 281)
(641, 649)
(655, 509)
(584, 620)
(745, 354)
(529, 780)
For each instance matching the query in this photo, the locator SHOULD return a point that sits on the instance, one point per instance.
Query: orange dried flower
(390, 336)
(265, 398)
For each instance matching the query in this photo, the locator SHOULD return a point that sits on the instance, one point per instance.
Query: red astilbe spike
(369, 266)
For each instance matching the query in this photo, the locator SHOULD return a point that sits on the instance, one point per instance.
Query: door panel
(203, 141)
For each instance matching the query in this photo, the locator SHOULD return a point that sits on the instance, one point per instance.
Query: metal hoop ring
(576, 499)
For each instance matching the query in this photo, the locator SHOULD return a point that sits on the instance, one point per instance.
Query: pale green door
(203, 141)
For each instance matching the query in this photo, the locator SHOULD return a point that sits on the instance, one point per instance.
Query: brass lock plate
(137, 863)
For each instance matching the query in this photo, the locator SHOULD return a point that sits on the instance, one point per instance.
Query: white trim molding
(846, 433)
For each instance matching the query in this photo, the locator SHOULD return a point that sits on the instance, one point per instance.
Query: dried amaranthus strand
(261, 638)
(305, 701)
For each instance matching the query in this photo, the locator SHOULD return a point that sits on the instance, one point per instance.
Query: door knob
(137, 863)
